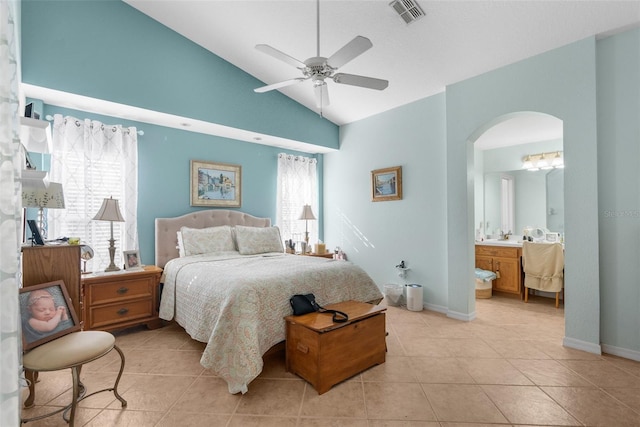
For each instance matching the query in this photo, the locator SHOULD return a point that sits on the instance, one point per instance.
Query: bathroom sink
(498, 242)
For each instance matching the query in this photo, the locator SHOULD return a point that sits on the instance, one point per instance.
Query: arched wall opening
(561, 83)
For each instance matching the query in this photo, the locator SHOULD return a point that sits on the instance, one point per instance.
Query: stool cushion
(70, 350)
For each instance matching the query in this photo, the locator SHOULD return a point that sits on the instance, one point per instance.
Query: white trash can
(393, 294)
(414, 297)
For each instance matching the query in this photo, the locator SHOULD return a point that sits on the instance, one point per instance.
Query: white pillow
(258, 240)
(210, 240)
(180, 245)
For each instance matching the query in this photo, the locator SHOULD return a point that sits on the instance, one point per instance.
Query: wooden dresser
(121, 299)
(505, 262)
(42, 264)
(325, 353)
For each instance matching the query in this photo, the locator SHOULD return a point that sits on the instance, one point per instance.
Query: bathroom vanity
(503, 257)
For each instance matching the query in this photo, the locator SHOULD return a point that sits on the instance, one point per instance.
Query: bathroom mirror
(538, 200)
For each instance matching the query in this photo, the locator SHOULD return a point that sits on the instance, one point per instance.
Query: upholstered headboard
(166, 228)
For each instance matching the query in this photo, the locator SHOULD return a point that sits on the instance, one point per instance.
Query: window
(507, 203)
(297, 186)
(93, 162)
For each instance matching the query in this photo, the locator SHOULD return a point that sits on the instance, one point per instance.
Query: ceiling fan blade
(265, 48)
(322, 95)
(362, 81)
(279, 85)
(349, 51)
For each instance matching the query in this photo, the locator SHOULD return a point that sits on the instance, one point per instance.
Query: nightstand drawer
(121, 290)
(106, 315)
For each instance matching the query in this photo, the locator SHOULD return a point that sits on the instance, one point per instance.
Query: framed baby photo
(46, 313)
(132, 260)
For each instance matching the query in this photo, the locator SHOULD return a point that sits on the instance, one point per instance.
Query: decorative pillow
(210, 240)
(180, 245)
(258, 240)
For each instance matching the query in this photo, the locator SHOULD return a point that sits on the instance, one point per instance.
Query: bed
(233, 292)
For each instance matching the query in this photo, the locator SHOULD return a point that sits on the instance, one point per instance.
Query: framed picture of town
(215, 184)
(386, 184)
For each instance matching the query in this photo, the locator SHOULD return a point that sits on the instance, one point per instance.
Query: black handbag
(306, 303)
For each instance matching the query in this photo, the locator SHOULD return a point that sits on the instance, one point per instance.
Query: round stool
(70, 351)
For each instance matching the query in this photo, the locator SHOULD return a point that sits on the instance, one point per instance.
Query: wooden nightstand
(121, 299)
(325, 255)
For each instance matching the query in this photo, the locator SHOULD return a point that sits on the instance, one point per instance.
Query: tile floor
(507, 367)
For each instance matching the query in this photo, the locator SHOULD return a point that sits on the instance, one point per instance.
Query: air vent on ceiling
(408, 10)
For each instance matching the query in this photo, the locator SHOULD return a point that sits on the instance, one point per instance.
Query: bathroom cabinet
(506, 261)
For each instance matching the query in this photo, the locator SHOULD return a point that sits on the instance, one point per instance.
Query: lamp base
(112, 253)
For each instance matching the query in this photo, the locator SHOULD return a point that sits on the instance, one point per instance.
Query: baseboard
(582, 345)
(621, 352)
(436, 308)
(461, 316)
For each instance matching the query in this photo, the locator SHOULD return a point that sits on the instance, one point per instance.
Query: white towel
(543, 265)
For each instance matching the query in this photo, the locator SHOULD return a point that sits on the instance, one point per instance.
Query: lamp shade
(307, 213)
(109, 211)
(42, 194)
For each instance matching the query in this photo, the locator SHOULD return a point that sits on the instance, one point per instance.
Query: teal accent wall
(108, 50)
(618, 90)
(164, 156)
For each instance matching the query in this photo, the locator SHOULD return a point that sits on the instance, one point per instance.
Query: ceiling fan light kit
(318, 68)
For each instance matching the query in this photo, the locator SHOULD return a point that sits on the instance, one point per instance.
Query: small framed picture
(215, 184)
(46, 313)
(132, 260)
(386, 184)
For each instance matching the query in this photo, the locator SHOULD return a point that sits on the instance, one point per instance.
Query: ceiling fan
(318, 68)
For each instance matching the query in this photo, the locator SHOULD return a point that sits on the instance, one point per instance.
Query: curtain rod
(139, 132)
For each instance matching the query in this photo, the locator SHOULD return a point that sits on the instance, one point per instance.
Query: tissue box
(319, 248)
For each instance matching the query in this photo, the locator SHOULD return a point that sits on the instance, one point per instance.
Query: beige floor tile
(528, 405)
(425, 347)
(177, 362)
(207, 395)
(602, 373)
(462, 403)
(517, 349)
(469, 348)
(155, 393)
(628, 396)
(395, 369)
(344, 400)
(631, 366)
(494, 371)
(272, 397)
(439, 370)
(509, 342)
(594, 407)
(83, 416)
(397, 401)
(549, 373)
(394, 423)
(260, 421)
(124, 417)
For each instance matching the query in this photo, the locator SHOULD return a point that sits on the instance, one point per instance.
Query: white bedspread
(236, 303)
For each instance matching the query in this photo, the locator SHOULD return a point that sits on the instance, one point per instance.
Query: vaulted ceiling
(455, 40)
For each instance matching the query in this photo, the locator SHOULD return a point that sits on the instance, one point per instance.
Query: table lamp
(110, 211)
(41, 194)
(307, 215)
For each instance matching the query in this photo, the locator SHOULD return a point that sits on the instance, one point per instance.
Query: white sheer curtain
(94, 161)
(10, 218)
(297, 186)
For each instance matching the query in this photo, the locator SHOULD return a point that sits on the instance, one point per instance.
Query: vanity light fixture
(544, 161)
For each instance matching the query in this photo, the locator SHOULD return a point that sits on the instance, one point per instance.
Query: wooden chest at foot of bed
(325, 353)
